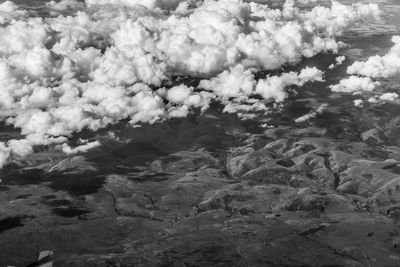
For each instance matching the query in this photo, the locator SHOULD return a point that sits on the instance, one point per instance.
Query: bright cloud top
(375, 67)
(355, 84)
(111, 59)
(384, 66)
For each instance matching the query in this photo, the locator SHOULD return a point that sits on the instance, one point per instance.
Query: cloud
(240, 83)
(108, 60)
(305, 2)
(4, 154)
(235, 82)
(354, 84)
(274, 86)
(389, 97)
(79, 149)
(64, 5)
(358, 103)
(384, 66)
(374, 67)
(338, 61)
(9, 11)
(151, 4)
(311, 114)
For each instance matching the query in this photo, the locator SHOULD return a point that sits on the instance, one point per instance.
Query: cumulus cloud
(384, 66)
(374, 67)
(354, 84)
(385, 97)
(235, 82)
(107, 60)
(389, 97)
(240, 83)
(358, 103)
(274, 86)
(9, 11)
(338, 61)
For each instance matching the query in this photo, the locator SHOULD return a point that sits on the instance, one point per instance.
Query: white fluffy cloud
(235, 82)
(374, 67)
(354, 84)
(274, 86)
(389, 97)
(358, 103)
(338, 61)
(9, 11)
(384, 66)
(108, 60)
(240, 83)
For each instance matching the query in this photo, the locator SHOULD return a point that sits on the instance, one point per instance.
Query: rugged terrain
(214, 190)
(217, 189)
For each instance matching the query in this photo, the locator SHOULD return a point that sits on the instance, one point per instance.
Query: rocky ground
(212, 190)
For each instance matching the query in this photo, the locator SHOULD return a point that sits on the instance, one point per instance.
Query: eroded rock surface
(284, 196)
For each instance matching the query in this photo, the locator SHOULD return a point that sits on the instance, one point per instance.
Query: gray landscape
(199, 133)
